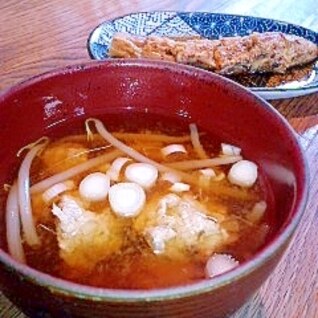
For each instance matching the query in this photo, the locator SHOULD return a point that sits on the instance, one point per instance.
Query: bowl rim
(61, 286)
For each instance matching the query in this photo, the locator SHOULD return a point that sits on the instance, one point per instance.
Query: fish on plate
(269, 52)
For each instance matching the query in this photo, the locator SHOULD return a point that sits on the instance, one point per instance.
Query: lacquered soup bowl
(134, 90)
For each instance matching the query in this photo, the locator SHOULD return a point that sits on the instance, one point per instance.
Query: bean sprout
(204, 163)
(70, 173)
(28, 225)
(13, 226)
(195, 139)
(132, 152)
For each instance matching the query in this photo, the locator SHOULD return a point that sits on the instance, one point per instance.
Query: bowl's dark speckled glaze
(34, 108)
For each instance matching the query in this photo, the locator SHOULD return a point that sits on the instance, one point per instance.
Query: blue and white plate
(298, 82)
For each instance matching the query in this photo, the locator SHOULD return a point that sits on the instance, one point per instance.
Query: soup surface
(148, 227)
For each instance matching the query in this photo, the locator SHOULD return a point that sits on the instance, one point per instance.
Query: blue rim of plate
(205, 24)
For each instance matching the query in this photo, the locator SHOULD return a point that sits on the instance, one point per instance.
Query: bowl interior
(141, 92)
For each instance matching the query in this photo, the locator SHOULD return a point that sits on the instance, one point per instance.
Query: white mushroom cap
(171, 177)
(114, 170)
(94, 187)
(243, 173)
(58, 188)
(144, 174)
(166, 151)
(230, 150)
(127, 199)
(208, 172)
(180, 187)
(219, 264)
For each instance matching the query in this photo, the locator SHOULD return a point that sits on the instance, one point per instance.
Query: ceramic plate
(297, 82)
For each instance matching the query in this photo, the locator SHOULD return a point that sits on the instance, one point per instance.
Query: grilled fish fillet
(273, 52)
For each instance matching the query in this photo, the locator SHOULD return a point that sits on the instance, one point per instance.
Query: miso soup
(137, 209)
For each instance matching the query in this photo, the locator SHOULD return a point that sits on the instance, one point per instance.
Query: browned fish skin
(273, 52)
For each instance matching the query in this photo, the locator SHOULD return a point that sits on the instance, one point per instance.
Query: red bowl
(133, 90)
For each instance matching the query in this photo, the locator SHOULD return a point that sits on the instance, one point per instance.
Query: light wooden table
(37, 36)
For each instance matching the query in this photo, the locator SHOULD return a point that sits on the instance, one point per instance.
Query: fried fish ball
(176, 225)
(85, 237)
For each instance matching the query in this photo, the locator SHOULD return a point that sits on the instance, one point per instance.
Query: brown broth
(134, 265)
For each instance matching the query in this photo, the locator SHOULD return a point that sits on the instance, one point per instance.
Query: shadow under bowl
(135, 90)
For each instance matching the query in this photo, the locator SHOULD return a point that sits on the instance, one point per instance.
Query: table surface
(37, 36)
